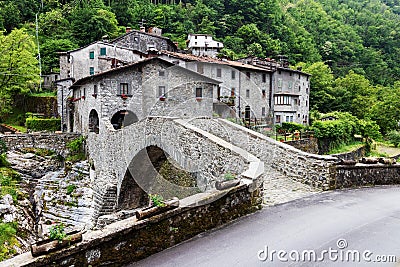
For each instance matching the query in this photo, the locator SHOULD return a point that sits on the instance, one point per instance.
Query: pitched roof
(146, 33)
(234, 64)
(136, 64)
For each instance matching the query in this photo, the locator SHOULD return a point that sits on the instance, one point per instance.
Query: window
(299, 75)
(233, 75)
(306, 103)
(91, 71)
(263, 111)
(298, 115)
(247, 93)
(219, 73)
(290, 86)
(84, 92)
(280, 83)
(298, 102)
(248, 74)
(199, 92)
(279, 72)
(264, 78)
(263, 93)
(103, 51)
(232, 91)
(290, 73)
(91, 54)
(278, 119)
(161, 91)
(307, 90)
(307, 78)
(161, 73)
(123, 89)
(299, 88)
(95, 90)
(282, 100)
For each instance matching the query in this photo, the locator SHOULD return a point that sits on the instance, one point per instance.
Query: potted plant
(198, 99)
(58, 239)
(229, 181)
(124, 96)
(157, 206)
(162, 98)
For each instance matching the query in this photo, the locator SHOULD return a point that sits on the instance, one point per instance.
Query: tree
(19, 70)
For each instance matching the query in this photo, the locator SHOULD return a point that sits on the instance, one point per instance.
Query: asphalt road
(364, 222)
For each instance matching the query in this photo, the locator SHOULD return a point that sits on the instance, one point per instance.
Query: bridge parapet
(307, 168)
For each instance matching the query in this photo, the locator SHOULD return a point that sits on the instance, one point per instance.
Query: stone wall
(301, 166)
(129, 240)
(309, 145)
(55, 142)
(366, 175)
(352, 155)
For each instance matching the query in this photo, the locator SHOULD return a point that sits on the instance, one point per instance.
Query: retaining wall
(130, 240)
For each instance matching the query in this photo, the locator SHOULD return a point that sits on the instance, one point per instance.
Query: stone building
(290, 90)
(143, 41)
(203, 45)
(247, 89)
(125, 95)
(49, 79)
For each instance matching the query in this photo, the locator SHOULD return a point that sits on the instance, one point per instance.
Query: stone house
(125, 95)
(203, 45)
(49, 79)
(247, 89)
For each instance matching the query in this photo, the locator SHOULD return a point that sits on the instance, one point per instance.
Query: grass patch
(8, 240)
(44, 94)
(8, 182)
(343, 148)
(70, 189)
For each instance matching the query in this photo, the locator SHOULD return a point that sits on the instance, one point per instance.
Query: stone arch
(123, 118)
(94, 121)
(146, 175)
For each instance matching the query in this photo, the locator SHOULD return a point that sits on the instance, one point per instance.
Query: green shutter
(91, 54)
(91, 71)
(103, 51)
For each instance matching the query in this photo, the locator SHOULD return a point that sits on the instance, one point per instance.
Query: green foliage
(37, 124)
(290, 127)
(3, 147)
(394, 138)
(157, 200)
(70, 189)
(76, 147)
(8, 181)
(229, 176)
(57, 232)
(3, 160)
(8, 239)
(18, 67)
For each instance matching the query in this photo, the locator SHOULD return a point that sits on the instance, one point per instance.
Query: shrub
(76, 145)
(3, 160)
(229, 176)
(157, 200)
(3, 147)
(8, 239)
(394, 138)
(57, 232)
(70, 189)
(37, 124)
(291, 126)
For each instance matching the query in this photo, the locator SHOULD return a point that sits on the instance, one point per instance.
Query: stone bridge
(55, 142)
(123, 160)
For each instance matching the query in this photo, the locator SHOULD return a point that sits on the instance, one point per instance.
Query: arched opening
(123, 118)
(152, 171)
(93, 121)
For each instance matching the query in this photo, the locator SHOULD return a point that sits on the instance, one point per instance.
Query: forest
(350, 47)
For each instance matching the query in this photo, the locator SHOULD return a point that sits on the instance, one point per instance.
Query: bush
(394, 138)
(291, 127)
(8, 239)
(70, 189)
(3, 147)
(76, 145)
(57, 232)
(50, 125)
(3, 160)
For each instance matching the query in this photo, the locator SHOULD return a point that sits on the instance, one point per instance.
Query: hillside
(356, 41)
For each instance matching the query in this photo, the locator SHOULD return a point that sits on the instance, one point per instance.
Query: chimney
(128, 29)
(142, 29)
